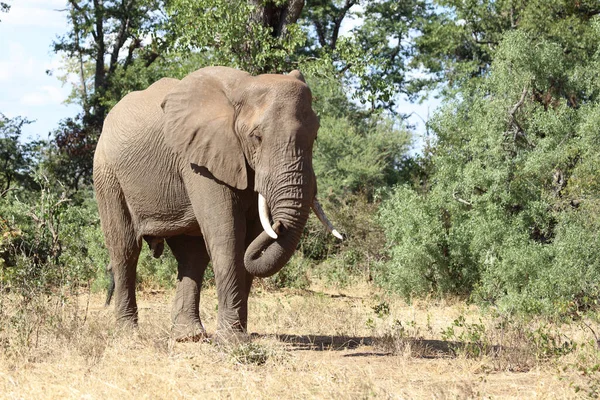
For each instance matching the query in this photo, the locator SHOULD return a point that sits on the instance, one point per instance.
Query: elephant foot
(231, 335)
(128, 322)
(193, 332)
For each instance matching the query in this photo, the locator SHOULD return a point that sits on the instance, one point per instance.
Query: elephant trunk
(265, 256)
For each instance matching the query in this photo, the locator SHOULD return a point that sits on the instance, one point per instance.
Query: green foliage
(83, 253)
(471, 338)
(458, 41)
(510, 211)
(227, 33)
(293, 275)
(104, 40)
(422, 237)
(512, 343)
(351, 159)
(156, 273)
(45, 242)
(68, 158)
(17, 159)
(355, 155)
(343, 262)
(373, 57)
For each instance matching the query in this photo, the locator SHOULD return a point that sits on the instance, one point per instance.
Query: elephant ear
(298, 75)
(198, 124)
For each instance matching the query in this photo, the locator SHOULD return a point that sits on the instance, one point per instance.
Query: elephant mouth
(275, 230)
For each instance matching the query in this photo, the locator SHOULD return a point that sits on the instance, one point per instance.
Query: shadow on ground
(373, 346)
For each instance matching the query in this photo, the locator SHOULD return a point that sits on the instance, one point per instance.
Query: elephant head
(236, 126)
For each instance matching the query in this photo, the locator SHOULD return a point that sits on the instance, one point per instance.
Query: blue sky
(26, 35)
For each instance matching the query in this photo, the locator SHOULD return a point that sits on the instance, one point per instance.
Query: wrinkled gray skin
(183, 161)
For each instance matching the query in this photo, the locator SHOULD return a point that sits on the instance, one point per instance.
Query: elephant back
(134, 118)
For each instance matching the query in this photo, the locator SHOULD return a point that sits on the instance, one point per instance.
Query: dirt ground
(312, 344)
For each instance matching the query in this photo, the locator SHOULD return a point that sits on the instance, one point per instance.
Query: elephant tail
(111, 285)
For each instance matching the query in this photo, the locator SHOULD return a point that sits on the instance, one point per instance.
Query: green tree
(511, 211)
(255, 36)
(374, 58)
(278, 36)
(112, 47)
(17, 160)
(459, 40)
(105, 38)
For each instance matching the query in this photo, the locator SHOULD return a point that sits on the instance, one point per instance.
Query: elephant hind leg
(192, 259)
(122, 242)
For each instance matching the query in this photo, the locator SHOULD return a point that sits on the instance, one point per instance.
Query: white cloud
(36, 13)
(57, 4)
(19, 64)
(26, 35)
(46, 95)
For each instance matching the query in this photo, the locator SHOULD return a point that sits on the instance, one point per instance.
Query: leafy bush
(47, 243)
(510, 210)
(350, 158)
(50, 242)
(294, 275)
(428, 251)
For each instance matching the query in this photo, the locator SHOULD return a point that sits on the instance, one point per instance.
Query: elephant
(218, 165)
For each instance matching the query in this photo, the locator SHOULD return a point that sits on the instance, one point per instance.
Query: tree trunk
(277, 17)
(100, 73)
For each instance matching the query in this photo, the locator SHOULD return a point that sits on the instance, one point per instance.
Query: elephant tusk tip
(263, 212)
(337, 234)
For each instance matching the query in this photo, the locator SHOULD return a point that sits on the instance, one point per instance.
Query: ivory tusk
(263, 213)
(316, 206)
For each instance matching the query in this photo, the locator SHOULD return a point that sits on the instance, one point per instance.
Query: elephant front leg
(232, 287)
(221, 213)
(192, 259)
(233, 301)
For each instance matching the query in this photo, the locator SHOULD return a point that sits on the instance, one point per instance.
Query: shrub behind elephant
(183, 161)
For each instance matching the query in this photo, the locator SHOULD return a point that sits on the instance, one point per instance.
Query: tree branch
(81, 63)
(513, 124)
(321, 34)
(136, 43)
(516, 107)
(5, 192)
(337, 23)
(78, 8)
(121, 37)
(462, 201)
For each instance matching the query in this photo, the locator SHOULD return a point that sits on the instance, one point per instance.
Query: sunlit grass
(318, 343)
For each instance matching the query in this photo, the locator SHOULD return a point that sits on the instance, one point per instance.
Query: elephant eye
(256, 135)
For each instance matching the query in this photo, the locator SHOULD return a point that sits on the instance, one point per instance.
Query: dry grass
(305, 344)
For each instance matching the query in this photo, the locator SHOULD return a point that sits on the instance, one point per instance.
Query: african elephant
(199, 163)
